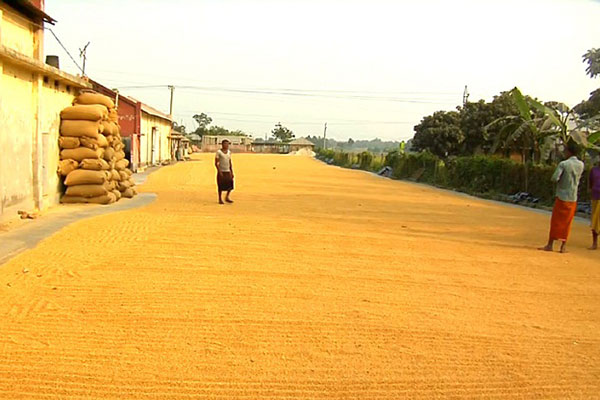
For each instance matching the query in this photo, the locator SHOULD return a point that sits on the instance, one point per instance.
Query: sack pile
(92, 158)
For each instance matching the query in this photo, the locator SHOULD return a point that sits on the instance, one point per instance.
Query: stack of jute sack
(92, 158)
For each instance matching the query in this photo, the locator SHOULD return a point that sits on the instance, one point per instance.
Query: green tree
(282, 133)
(475, 117)
(216, 130)
(439, 134)
(203, 122)
(591, 107)
(538, 126)
(589, 110)
(592, 58)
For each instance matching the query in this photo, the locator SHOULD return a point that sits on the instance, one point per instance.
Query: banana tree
(530, 129)
(543, 126)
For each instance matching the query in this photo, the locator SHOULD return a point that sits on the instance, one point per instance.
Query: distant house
(180, 146)
(300, 144)
(276, 147)
(239, 144)
(270, 147)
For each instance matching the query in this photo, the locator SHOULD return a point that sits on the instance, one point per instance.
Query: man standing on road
(567, 177)
(224, 171)
(594, 183)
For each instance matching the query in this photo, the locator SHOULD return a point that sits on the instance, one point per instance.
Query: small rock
(25, 270)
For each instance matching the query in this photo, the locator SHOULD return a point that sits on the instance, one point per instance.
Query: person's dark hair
(573, 147)
(225, 140)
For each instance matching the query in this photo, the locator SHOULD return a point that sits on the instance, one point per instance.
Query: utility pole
(325, 137)
(465, 96)
(83, 54)
(116, 98)
(172, 89)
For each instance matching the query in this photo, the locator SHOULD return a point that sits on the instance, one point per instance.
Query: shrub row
(480, 175)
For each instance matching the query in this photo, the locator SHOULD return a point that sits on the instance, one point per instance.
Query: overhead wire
(64, 48)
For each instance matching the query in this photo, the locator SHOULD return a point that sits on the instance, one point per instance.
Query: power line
(292, 122)
(205, 83)
(295, 93)
(65, 49)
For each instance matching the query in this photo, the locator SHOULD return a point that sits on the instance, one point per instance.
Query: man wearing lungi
(567, 177)
(224, 171)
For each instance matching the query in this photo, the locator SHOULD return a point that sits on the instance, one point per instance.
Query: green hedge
(481, 175)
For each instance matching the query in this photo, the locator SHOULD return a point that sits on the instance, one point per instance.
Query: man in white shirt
(224, 171)
(567, 176)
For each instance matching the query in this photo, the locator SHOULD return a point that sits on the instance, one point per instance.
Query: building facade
(32, 94)
(239, 144)
(155, 130)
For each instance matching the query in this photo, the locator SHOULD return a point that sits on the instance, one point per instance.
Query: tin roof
(151, 110)
(302, 142)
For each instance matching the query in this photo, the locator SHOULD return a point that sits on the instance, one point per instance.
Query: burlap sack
(85, 112)
(81, 153)
(67, 166)
(80, 128)
(67, 142)
(109, 154)
(122, 164)
(116, 129)
(110, 140)
(88, 190)
(117, 194)
(93, 143)
(108, 198)
(112, 185)
(113, 115)
(119, 155)
(108, 128)
(86, 177)
(115, 175)
(124, 175)
(95, 98)
(94, 165)
(128, 171)
(124, 185)
(119, 146)
(128, 193)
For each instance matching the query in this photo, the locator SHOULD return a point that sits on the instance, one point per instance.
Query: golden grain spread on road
(318, 283)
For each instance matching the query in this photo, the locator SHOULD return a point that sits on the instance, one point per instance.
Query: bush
(481, 175)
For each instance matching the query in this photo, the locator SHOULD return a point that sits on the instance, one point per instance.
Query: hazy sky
(368, 68)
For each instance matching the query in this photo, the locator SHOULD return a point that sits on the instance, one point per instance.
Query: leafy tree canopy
(282, 133)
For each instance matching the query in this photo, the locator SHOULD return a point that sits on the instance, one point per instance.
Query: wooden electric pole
(325, 137)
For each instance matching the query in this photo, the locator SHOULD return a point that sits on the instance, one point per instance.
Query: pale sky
(367, 68)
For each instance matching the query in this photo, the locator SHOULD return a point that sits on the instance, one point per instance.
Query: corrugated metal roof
(302, 142)
(151, 110)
